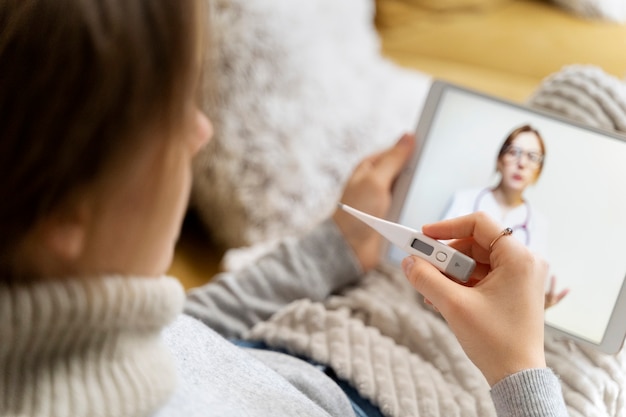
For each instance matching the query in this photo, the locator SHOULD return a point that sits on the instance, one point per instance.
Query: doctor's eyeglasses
(515, 153)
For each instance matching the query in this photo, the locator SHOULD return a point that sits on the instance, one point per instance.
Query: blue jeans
(362, 406)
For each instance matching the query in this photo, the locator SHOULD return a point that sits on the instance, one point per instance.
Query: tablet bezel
(615, 332)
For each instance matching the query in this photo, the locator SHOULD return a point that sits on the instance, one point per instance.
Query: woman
(519, 164)
(99, 125)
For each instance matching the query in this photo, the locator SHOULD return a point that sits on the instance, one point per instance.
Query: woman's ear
(65, 240)
(64, 231)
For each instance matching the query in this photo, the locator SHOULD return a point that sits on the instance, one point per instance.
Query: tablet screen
(560, 186)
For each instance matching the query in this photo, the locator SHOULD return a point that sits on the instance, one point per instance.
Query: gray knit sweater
(118, 346)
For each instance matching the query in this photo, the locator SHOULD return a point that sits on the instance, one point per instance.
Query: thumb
(430, 282)
(389, 163)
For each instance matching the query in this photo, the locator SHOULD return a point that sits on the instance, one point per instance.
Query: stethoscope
(523, 227)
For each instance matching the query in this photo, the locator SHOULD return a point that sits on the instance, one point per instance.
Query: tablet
(571, 183)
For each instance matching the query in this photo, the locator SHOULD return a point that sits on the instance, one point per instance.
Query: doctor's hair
(516, 132)
(81, 84)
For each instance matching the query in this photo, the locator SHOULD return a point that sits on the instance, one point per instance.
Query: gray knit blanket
(403, 357)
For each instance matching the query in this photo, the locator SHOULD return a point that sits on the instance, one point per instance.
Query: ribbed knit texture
(395, 352)
(86, 347)
(404, 358)
(611, 10)
(523, 393)
(586, 94)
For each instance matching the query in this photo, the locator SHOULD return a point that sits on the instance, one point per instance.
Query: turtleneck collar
(88, 347)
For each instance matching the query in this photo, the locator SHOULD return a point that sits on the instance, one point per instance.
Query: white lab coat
(529, 226)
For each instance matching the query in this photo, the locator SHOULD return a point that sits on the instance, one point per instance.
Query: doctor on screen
(519, 165)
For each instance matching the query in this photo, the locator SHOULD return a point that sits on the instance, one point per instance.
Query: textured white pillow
(298, 93)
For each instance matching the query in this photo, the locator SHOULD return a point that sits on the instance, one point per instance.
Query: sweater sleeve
(312, 267)
(529, 393)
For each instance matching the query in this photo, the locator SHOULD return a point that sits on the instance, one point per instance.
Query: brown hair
(525, 128)
(80, 81)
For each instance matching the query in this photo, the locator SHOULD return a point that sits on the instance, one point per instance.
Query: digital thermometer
(446, 259)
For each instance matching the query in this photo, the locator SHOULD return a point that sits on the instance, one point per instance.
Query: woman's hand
(552, 297)
(499, 321)
(369, 190)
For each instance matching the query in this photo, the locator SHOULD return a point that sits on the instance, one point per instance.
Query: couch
(505, 50)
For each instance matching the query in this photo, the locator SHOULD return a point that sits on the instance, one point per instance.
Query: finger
(472, 249)
(469, 247)
(552, 299)
(429, 282)
(374, 158)
(472, 281)
(389, 163)
(363, 168)
(561, 295)
(430, 305)
(478, 225)
(480, 272)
